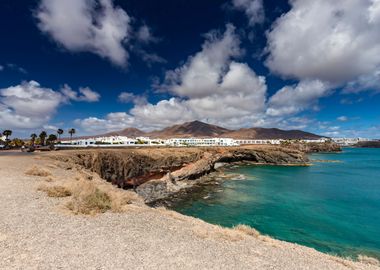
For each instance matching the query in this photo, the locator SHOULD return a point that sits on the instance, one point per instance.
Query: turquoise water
(333, 207)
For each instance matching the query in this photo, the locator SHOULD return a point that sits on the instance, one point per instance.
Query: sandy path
(35, 233)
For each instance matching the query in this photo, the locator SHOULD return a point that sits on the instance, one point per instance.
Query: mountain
(128, 132)
(190, 129)
(270, 133)
(201, 129)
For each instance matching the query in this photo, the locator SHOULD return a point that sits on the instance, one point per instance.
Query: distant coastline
(369, 144)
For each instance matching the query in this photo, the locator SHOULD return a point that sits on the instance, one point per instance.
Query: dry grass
(88, 199)
(36, 171)
(217, 233)
(120, 200)
(247, 230)
(55, 191)
(368, 260)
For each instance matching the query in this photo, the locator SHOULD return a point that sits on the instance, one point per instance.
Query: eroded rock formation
(159, 173)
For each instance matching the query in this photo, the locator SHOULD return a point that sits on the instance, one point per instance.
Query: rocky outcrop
(189, 175)
(129, 168)
(369, 144)
(326, 147)
(159, 173)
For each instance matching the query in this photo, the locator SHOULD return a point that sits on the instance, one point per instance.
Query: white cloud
(334, 41)
(27, 105)
(293, 99)
(342, 118)
(95, 26)
(368, 82)
(51, 128)
(200, 76)
(254, 9)
(112, 122)
(127, 97)
(1, 68)
(209, 86)
(85, 94)
(145, 35)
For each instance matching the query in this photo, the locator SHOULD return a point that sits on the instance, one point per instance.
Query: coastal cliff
(327, 147)
(159, 173)
(369, 144)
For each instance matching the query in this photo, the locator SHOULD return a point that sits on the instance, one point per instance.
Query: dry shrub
(253, 232)
(247, 230)
(55, 191)
(121, 199)
(36, 171)
(368, 260)
(88, 199)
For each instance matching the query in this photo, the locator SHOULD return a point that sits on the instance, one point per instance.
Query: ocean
(332, 206)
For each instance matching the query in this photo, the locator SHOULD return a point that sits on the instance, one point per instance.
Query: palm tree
(7, 133)
(51, 139)
(71, 132)
(33, 137)
(43, 136)
(59, 132)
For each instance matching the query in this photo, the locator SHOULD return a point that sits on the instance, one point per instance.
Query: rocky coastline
(369, 144)
(158, 174)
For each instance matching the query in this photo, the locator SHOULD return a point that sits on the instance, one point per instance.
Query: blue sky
(102, 65)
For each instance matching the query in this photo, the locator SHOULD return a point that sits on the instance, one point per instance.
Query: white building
(247, 142)
(149, 141)
(201, 142)
(80, 142)
(116, 140)
(349, 141)
(111, 140)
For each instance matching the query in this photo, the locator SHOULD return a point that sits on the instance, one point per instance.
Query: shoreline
(136, 230)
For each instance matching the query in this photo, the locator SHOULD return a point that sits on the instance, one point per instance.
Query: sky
(105, 65)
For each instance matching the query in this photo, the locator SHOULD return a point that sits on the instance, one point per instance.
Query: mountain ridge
(201, 129)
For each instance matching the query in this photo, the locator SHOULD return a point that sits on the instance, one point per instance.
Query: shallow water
(331, 206)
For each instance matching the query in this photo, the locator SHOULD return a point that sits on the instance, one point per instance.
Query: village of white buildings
(122, 141)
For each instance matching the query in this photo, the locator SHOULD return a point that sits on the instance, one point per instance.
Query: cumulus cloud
(293, 99)
(127, 97)
(85, 94)
(368, 82)
(211, 86)
(333, 41)
(113, 121)
(95, 26)
(200, 76)
(254, 9)
(29, 105)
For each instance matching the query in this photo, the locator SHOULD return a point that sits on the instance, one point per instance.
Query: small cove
(332, 206)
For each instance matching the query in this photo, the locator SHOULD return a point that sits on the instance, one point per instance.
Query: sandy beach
(40, 232)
